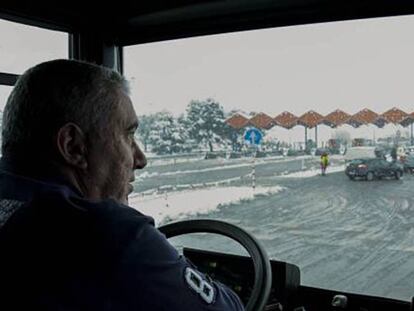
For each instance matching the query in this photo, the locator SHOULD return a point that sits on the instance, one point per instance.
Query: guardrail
(207, 155)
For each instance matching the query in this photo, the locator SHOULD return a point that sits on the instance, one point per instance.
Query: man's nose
(140, 160)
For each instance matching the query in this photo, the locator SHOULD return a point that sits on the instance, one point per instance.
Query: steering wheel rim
(261, 263)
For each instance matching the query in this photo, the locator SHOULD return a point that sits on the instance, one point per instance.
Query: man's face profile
(114, 154)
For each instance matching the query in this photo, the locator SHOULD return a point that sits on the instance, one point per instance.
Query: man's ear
(71, 143)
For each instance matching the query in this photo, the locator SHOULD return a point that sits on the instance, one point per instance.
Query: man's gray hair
(52, 94)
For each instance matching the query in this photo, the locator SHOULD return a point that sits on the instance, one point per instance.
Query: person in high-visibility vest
(324, 163)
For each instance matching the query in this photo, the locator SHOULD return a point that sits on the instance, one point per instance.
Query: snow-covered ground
(156, 161)
(222, 164)
(315, 172)
(224, 161)
(171, 202)
(178, 205)
(342, 234)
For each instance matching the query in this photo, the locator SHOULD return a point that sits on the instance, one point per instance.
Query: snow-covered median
(223, 164)
(315, 172)
(179, 205)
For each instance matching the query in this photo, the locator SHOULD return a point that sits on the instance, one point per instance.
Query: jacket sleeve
(151, 275)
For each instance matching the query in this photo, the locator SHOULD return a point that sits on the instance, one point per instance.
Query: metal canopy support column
(90, 47)
(316, 136)
(306, 137)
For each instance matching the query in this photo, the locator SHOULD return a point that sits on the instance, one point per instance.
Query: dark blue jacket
(59, 251)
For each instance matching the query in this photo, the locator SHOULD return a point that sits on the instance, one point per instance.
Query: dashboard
(237, 272)
(287, 293)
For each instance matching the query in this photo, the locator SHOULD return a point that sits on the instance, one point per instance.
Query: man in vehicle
(68, 240)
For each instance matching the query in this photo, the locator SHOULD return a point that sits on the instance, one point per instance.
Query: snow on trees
(164, 133)
(205, 122)
(144, 129)
(202, 125)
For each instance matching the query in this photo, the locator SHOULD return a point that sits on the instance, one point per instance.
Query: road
(353, 236)
(208, 172)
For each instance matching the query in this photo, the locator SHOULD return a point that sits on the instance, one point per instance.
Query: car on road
(355, 153)
(410, 150)
(408, 163)
(370, 169)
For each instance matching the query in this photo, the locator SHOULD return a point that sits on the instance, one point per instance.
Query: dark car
(373, 168)
(408, 163)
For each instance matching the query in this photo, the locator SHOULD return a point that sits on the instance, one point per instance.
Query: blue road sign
(253, 136)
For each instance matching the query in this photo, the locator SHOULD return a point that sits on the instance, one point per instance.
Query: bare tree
(343, 136)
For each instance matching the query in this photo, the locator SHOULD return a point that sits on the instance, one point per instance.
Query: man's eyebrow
(133, 126)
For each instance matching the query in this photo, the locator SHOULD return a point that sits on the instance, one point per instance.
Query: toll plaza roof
(409, 119)
(364, 116)
(394, 115)
(310, 119)
(336, 118)
(286, 120)
(237, 121)
(262, 121)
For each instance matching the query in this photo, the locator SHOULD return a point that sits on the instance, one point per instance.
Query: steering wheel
(261, 263)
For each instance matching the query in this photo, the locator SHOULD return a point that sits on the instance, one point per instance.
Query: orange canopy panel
(365, 116)
(336, 118)
(394, 115)
(286, 120)
(380, 121)
(262, 121)
(409, 119)
(237, 121)
(310, 119)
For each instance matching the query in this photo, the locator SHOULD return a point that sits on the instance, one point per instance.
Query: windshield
(237, 126)
(356, 162)
(23, 46)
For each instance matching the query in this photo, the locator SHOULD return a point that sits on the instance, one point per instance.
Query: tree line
(201, 126)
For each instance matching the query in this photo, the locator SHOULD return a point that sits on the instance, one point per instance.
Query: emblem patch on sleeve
(196, 282)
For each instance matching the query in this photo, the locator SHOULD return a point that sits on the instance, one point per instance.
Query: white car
(359, 153)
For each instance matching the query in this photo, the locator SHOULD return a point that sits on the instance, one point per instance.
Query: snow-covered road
(353, 236)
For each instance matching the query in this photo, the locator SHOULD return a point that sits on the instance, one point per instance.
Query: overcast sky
(22, 46)
(348, 65)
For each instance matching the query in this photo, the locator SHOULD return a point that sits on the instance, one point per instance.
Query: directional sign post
(253, 136)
